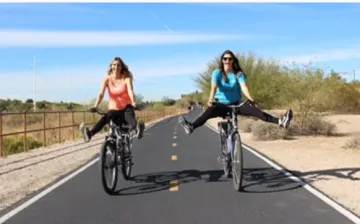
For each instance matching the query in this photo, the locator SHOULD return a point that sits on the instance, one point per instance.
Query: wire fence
(20, 132)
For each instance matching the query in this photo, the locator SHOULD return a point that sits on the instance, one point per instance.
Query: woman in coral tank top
(118, 82)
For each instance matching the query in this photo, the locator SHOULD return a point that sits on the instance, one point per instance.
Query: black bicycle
(115, 152)
(231, 147)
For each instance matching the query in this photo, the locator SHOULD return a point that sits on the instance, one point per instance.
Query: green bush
(13, 145)
(305, 88)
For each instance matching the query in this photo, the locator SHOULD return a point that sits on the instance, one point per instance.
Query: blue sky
(164, 44)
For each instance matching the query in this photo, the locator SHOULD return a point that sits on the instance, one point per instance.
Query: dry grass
(69, 121)
(312, 126)
(353, 143)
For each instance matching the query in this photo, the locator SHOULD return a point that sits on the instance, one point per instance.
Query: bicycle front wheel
(237, 162)
(126, 162)
(108, 167)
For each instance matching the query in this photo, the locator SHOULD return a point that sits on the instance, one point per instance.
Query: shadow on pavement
(266, 180)
(159, 181)
(342, 173)
(257, 180)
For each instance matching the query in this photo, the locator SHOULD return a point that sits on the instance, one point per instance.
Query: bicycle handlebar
(97, 110)
(231, 106)
(102, 112)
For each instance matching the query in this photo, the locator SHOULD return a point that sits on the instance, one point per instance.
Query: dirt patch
(324, 162)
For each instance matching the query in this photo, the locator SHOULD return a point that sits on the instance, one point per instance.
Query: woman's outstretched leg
(130, 118)
(210, 112)
(250, 110)
(87, 134)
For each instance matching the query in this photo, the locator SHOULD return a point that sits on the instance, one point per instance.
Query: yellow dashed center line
(174, 185)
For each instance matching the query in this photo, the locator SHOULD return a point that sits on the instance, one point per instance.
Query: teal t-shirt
(227, 92)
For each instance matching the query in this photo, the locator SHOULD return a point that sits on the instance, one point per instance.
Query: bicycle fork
(226, 155)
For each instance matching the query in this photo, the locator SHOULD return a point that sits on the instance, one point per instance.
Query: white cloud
(52, 83)
(83, 82)
(330, 55)
(30, 38)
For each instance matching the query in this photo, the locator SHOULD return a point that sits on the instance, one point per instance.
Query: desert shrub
(353, 143)
(266, 131)
(313, 126)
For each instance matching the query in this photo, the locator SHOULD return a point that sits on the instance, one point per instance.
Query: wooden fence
(20, 132)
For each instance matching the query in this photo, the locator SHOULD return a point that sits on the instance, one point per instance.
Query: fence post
(59, 127)
(25, 132)
(1, 137)
(44, 122)
(73, 123)
(84, 120)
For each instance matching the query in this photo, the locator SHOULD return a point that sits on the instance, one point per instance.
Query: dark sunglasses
(226, 59)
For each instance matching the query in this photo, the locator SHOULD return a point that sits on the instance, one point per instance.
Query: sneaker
(285, 120)
(85, 132)
(140, 129)
(186, 125)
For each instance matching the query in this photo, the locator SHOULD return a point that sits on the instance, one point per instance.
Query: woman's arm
(243, 85)
(245, 90)
(214, 79)
(212, 92)
(102, 91)
(129, 85)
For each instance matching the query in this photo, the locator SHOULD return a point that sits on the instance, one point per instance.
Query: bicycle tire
(227, 158)
(237, 162)
(109, 189)
(126, 166)
(226, 161)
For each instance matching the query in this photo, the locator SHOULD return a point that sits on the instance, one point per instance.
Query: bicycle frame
(116, 134)
(232, 135)
(232, 123)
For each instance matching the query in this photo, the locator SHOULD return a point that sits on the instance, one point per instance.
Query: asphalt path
(178, 179)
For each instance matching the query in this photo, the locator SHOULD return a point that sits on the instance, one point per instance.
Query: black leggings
(126, 116)
(246, 109)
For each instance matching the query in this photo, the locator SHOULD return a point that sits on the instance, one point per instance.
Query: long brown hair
(124, 68)
(235, 65)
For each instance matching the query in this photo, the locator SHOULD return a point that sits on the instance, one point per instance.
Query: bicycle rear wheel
(237, 162)
(108, 163)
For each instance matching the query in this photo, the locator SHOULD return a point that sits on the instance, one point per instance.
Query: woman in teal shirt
(227, 83)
